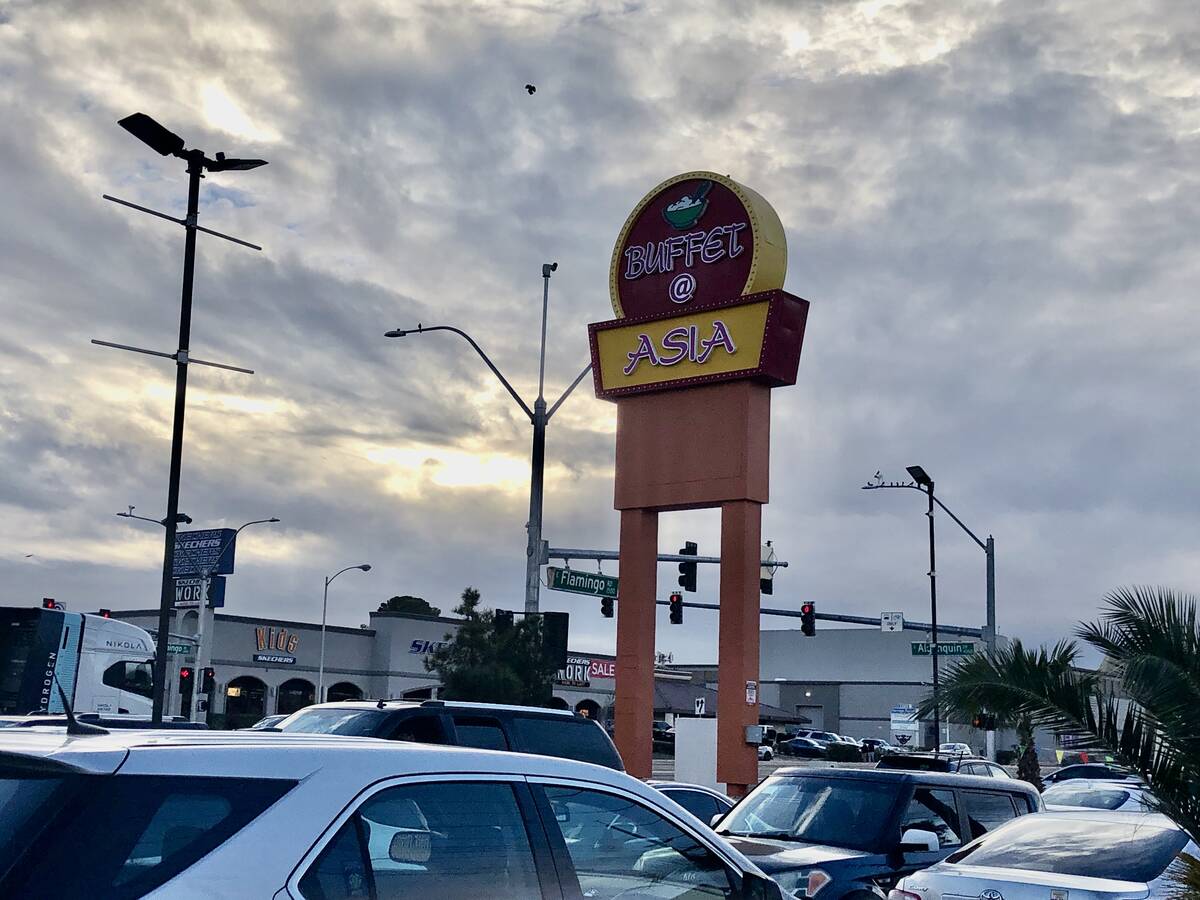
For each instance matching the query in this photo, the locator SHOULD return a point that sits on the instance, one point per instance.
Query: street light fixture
(180, 518)
(539, 417)
(166, 143)
(924, 484)
(365, 567)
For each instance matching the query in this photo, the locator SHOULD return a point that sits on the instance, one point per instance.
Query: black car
(525, 729)
(852, 833)
(1092, 771)
(803, 747)
(941, 762)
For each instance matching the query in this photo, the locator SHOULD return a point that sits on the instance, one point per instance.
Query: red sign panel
(603, 668)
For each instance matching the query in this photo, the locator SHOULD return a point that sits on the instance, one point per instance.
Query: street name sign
(197, 552)
(945, 648)
(594, 584)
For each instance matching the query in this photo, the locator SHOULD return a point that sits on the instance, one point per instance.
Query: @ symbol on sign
(683, 287)
(991, 894)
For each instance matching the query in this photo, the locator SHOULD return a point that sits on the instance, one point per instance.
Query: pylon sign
(703, 332)
(695, 282)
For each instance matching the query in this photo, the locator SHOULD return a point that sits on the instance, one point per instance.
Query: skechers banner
(695, 281)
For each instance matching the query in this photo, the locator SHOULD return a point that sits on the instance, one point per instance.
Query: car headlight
(803, 884)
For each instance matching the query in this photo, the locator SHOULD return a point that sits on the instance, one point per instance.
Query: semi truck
(103, 665)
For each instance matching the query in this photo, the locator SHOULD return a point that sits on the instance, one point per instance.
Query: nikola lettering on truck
(104, 665)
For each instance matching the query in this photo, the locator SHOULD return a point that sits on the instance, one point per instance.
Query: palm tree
(1142, 707)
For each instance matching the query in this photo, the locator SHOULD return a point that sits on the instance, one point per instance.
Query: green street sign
(945, 648)
(594, 584)
(181, 648)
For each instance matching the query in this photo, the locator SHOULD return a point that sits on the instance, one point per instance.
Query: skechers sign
(695, 281)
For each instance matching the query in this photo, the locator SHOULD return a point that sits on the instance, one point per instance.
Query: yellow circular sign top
(696, 239)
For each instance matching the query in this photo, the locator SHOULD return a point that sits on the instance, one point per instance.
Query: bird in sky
(529, 88)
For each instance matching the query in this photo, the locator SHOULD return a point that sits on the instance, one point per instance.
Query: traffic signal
(687, 570)
(555, 626)
(49, 603)
(185, 680)
(606, 607)
(106, 613)
(984, 722)
(503, 620)
(677, 608)
(808, 619)
(209, 684)
(766, 585)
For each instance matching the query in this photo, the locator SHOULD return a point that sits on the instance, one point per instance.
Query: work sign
(594, 584)
(189, 592)
(945, 648)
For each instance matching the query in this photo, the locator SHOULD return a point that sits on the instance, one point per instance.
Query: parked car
(824, 738)
(488, 726)
(850, 833)
(878, 746)
(662, 734)
(765, 752)
(704, 803)
(1079, 793)
(251, 814)
(1058, 854)
(803, 747)
(1092, 771)
(956, 747)
(265, 722)
(936, 762)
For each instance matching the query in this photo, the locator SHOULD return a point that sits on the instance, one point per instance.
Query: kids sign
(695, 282)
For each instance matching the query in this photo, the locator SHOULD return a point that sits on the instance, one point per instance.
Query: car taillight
(817, 880)
(897, 894)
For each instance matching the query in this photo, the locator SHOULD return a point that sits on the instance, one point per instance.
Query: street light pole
(539, 417)
(206, 625)
(989, 549)
(365, 567)
(927, 482)
(166, 143)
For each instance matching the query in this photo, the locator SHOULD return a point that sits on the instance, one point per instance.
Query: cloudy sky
(994, 209)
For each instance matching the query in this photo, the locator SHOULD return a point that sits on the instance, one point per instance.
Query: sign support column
(635, 640)
(737, 654)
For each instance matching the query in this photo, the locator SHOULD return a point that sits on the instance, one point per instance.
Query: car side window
(936, 811)
(986, 811)
(480, 731)
(422, 729)
(620, 848)
(698, 803)
(433, 841)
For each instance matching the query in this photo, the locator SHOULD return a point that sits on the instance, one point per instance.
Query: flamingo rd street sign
(945, 648)
(594, 584)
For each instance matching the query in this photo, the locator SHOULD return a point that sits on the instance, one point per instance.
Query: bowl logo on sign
(687, 210)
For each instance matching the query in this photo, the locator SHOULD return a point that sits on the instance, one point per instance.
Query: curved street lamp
(365, 567)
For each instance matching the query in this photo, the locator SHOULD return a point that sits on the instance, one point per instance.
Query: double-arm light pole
(167, 143)
(539, 417)
(922, 482)
(365, 567)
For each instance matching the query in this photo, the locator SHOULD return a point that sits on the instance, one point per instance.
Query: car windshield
(1124, 850)
(836, 811)
(331, 720)
(1090, 797)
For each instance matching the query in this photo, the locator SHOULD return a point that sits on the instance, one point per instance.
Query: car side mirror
(759, 887)
(918, 840)
(410, 847)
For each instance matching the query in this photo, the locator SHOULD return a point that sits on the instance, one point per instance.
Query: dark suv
(525, 729)
(853, 833)
(943, 762)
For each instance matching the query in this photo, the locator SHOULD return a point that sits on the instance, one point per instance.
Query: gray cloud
(992, 209)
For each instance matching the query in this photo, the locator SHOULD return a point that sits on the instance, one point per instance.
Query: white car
(1115, 796)
(1081, 855)
(957, 748)
(765, 752)
(252, 815)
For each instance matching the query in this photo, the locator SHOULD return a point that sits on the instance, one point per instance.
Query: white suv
(245, 814)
